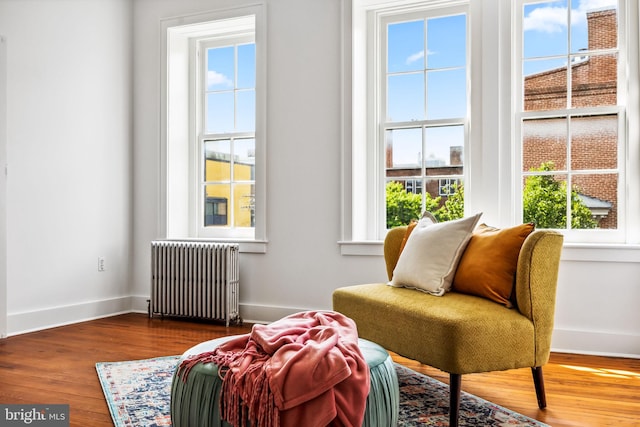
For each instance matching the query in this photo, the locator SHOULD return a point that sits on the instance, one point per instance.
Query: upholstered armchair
(461, 333)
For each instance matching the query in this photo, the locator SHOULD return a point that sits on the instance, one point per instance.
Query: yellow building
(229, 197)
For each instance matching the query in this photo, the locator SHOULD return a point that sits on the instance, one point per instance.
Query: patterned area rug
(138, 394)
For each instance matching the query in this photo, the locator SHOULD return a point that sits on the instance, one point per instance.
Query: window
(213, 166)
(226, 97)
(447, 186)
(410, 119)
(544, 131)
(571, 114)
(423, 104)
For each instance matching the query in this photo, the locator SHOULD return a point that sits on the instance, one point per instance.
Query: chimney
(602, 29)
(455, 155)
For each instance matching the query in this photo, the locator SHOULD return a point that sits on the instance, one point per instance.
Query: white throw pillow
(431, 255)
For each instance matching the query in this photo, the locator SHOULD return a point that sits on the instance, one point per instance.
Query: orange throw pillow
(410, 228)
(488, 265)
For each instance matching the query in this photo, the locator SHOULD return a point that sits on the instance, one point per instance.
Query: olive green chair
(460, 333)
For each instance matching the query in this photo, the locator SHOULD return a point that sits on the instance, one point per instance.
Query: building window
(447, 186)
(215, 211)
(571, 114)
(213, 166)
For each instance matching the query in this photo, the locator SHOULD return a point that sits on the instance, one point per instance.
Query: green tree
(402, 206)
(453, 207)
(545, 202)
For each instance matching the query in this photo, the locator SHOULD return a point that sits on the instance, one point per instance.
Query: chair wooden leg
(538, 381)
(455, 382)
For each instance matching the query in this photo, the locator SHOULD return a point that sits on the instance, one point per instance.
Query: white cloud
(586, 5)
(546, 19)
(215, 78)
(415, 57)
(549, 19)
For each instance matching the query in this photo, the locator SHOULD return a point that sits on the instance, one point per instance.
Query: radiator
(195, 279)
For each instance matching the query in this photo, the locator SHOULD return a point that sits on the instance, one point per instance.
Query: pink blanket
(303, 370)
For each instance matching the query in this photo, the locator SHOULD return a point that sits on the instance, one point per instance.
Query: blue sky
(443, 58)
(231, 97)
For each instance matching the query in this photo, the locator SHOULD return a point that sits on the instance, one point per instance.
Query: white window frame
(363, 196)
(179, 155)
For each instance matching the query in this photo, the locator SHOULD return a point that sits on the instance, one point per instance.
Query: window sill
(246, 246)
(599, 252)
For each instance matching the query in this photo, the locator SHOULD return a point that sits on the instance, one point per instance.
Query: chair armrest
(536, 284)
(392, 244)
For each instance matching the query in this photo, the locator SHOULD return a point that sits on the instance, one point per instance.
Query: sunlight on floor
(602, 372)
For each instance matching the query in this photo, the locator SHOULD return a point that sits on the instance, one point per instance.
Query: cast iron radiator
(195, 279)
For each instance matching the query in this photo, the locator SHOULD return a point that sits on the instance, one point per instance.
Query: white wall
(3, 187)
(69, 141)
(597, 301)
(82, 185)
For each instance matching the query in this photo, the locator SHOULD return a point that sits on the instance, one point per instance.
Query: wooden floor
(58, 366)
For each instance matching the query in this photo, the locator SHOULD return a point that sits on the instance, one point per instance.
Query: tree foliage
(403, 207)
(544, 203)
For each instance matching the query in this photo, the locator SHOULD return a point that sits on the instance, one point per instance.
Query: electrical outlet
(101, 263)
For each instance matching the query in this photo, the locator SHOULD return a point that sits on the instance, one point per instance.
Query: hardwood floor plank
(58, 366)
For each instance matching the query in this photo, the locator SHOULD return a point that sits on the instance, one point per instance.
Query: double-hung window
(213, 163)
(423, 107)
(226, 143)
(571, 116)
(410, 113)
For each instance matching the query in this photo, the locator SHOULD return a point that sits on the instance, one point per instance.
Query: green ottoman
(195, 402)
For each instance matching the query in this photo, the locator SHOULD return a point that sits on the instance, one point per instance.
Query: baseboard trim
(36, 320)
(596, 343)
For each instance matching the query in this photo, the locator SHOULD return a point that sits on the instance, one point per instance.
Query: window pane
(404, 151)
(446, 94)
(220, 70)
(244, 154)
(544, 141)
(216, 205)
(444, 148)
(246, 112)
(405, 97)
(220, 114)
(594, 142)
(545, 201)
(445, 197)
(594, 26)
(545, 29)
(247, 66)
(594, 81)
(545, 85)
(244, 206)
(595, 202)
(217, 157)
(405, 47)
(446, 42)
